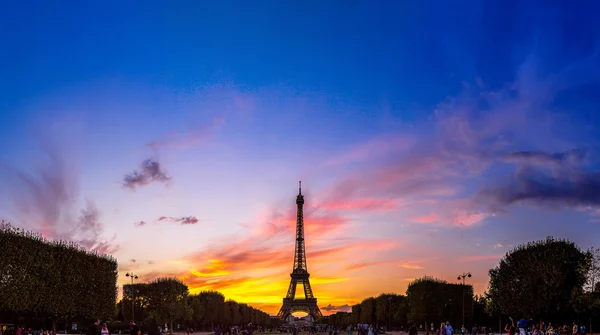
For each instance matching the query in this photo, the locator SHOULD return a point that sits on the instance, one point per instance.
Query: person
(135, 330)
(463, 330)
(575, 328)
(522, 324)
(511, 329)
(449, 329)
(442, 329)
(104, 330)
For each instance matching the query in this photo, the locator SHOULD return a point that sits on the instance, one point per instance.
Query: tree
(399, 310)
(168, 300)
(434, 300)
(544, 277)
(593, 280)
(52, 279)
(367, 311)
(356, 309)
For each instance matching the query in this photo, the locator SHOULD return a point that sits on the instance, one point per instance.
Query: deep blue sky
(414, 124)
(406, 52)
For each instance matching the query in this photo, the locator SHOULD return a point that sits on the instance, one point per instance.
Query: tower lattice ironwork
(300, 273)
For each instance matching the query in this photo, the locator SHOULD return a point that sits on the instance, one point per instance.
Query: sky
(431, 137)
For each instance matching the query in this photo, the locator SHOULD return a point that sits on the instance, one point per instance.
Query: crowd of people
(521, 327)
(528, 327)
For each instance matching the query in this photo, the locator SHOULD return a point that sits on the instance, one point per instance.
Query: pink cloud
(45, 200)
(430, 218)
(361, 205)
(193, 136)
(466, 219)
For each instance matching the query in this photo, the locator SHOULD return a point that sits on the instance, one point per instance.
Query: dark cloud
(150, 262)
(571, 157)
(150, 171)
(140, 224)
(184, 220)
(529, 184)
(133, 260)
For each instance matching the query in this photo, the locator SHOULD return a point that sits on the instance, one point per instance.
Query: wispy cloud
(470, 137)
(411, 266)
(184, 220)
(46, 201)
(429, 218)
(150, 172)
(193, 136)
(260, 262)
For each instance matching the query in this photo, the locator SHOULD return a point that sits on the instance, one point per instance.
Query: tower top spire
(300, 197)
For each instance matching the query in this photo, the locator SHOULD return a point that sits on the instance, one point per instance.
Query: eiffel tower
(299, 274)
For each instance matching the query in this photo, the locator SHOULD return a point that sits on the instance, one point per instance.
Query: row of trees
(550, 279)
(166, 300)
(427, 300)
(47, 279)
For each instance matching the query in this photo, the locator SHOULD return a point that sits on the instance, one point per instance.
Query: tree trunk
(499, 324)
(54, 325)
(171, 321)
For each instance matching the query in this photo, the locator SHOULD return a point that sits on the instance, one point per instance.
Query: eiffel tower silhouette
(300, 273)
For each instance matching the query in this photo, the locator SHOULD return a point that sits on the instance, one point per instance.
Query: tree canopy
(539, 279)
(434, 300)
(167, 300)
(57, 279)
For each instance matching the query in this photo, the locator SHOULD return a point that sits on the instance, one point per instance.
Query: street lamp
(132, 276)
(463, 276)
(389, 327)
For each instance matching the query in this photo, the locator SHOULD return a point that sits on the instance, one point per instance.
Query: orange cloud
(411, 266)
(255, 268)
(358, 266)
(316, 223)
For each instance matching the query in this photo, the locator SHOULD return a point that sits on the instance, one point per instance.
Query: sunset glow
(428, 143)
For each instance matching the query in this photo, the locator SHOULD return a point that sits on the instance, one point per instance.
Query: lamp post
(132, 276)
(463, 276)
(389, 315)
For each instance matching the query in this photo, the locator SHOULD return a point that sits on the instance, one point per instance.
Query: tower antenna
(300, 187)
